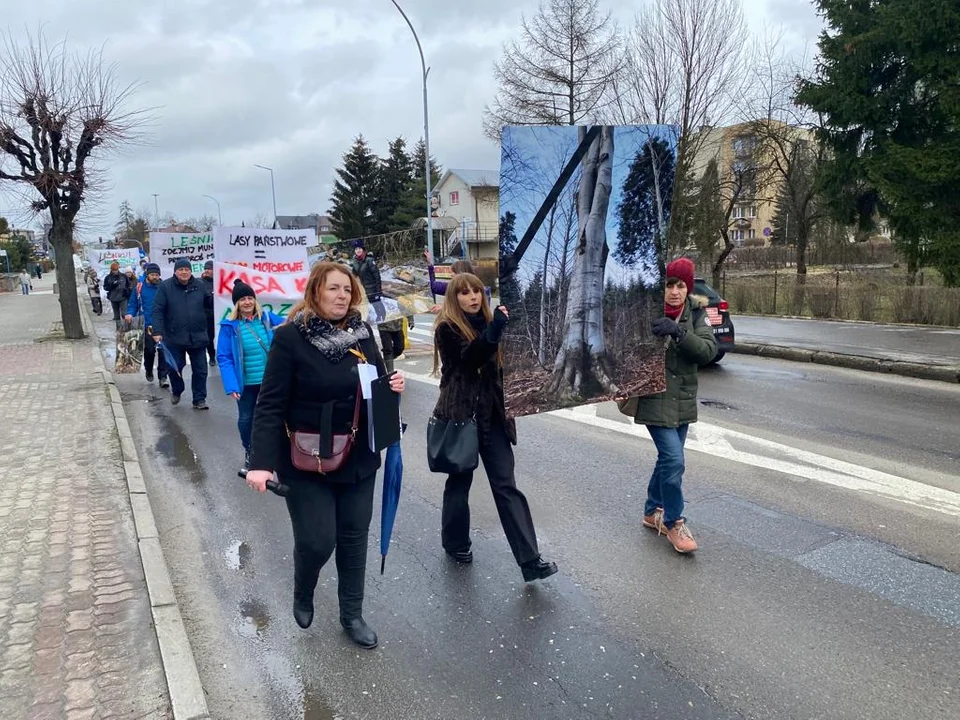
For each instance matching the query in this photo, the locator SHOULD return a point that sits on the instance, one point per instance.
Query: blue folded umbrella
(172, 365)
(392, 481)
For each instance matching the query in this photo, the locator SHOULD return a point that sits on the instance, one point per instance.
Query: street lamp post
(272, 190)
(219, 215)
(426, 130)
(156, 211)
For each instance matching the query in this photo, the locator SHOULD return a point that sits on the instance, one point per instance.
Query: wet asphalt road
(806, 600)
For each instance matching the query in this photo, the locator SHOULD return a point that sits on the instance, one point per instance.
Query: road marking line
(715, 440)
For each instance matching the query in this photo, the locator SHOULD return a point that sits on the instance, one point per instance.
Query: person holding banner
(311, 395)
(242, 348)
(180, 322)
(467, 356)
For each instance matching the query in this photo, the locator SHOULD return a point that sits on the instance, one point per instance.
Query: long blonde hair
(235, 314)
(310, 305)
(453, 315)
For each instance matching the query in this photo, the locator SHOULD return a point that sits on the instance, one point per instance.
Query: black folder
(384, 414)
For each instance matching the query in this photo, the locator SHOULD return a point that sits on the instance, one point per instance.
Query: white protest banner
(268, 251)
(276, 292)
(167, 248)
(101, 258)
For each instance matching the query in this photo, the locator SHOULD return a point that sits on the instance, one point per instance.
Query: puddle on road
(254, 619)
(717, 404)
(237, 555)
(315, 706)
(175, 446)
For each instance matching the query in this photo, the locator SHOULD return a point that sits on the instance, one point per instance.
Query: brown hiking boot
(654, 521)
(680, 537)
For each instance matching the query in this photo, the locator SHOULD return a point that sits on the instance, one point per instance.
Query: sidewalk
(77, 638)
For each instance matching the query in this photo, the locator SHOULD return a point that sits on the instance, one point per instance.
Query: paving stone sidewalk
(76, 633)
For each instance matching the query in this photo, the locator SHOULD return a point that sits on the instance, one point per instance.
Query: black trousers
(119, 310)
(392, 344)
(149, 353)
(496, 453)
(211, 331)
(327, 516)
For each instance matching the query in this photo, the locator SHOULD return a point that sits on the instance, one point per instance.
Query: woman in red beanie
(668, 415)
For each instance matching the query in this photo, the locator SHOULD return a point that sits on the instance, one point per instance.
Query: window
(455, 197)
(744, 211)
(751, 234)
(744, 145)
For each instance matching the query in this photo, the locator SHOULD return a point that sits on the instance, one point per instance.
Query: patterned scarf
(329, 339)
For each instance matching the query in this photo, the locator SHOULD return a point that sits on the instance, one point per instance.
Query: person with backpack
(667, 415)
(467, 356)
(242, 348)
(141, 304)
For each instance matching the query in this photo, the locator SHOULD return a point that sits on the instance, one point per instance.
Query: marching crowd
(300, 415)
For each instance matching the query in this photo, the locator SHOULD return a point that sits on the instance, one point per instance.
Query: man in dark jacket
(180, 321)
(207, 277)
(365, 267)
(117, 287)
(141, 303)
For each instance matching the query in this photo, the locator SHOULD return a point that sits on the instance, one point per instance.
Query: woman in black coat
(466, 352)
(312, 372)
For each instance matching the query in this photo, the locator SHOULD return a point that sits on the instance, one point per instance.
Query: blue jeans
(245, 407)
(24, 289)
(664, 489)
(198, 371)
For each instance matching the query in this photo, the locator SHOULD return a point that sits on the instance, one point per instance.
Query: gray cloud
(283, 83)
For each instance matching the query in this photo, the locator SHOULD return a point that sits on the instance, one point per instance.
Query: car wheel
(718, 357)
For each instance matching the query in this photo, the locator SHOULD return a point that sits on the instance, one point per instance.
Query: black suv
(718, 315)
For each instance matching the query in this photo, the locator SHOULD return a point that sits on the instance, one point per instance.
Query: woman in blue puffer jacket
(242, 347)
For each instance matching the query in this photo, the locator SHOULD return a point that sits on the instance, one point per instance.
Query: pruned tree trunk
(62, 240)
(582, 364)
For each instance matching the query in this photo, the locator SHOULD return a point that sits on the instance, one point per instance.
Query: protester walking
(391, 332)
(667, 415)
(26, 282)
(439, 287)
(242, 348)
(39, 272)
(92, 282)
(141, 304)
(207, 277)
(311, 391)
(467, 355)
(180, 322)
(118, 289)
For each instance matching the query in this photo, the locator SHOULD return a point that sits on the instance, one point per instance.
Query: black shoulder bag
(453, 446)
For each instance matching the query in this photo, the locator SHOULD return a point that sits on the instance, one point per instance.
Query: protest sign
(276, 292)
(167, 248)
(101, 258)
(265, 251)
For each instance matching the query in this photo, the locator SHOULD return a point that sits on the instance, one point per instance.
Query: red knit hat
(682, 269)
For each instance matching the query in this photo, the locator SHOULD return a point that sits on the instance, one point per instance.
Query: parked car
(718, 315)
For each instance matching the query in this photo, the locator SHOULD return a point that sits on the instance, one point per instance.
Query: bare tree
(686, 62)
(560, 71)
(582, 361)
(58, 110)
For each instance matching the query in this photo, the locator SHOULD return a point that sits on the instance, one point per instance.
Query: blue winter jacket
(230, 350)
(141, 302)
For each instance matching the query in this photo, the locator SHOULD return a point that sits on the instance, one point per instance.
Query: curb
(942, 373)
(187, 697)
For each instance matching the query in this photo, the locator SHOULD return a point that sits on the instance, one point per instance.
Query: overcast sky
(290, 83)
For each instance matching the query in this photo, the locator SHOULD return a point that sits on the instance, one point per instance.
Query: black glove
(664, 326)
(496, 326)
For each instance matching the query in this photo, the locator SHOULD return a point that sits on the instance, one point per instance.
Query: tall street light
(426, 130)
(272, 190)
(219, 216)
(156, 211)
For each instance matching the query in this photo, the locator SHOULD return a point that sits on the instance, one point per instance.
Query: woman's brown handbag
(307, 452)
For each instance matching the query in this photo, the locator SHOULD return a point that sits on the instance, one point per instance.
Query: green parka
(678, 404)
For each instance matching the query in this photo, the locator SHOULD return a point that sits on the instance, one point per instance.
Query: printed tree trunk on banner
(582, 363)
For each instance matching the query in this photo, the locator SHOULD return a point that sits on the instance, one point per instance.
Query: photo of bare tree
(584, 218)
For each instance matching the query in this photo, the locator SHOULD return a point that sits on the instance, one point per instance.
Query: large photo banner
(100, 259)
(584, 219)
(276, 292)
(269, 251)
(167, 248)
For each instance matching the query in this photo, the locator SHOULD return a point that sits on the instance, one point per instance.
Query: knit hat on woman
(682, 269)
(242, 290)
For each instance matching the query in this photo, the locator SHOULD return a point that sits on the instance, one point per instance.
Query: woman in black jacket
(466, 352)
(312, 373)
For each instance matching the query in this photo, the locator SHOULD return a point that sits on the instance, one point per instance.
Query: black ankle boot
(464, 557)
(303, 610)
(361, 633)
(537, 569)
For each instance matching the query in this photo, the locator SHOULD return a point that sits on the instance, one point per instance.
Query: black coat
(117, 287)
(297, 383)
(208, 281)
(470, 377)
(369, 275)
(180, 312)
